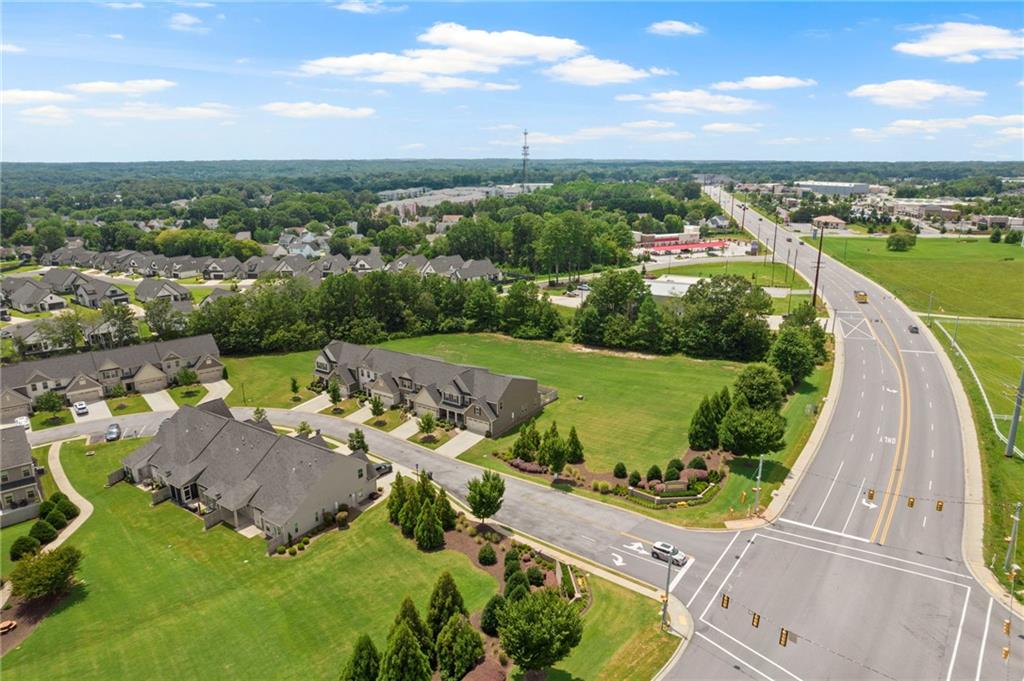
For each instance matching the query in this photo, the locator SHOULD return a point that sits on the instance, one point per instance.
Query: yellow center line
(905, 454)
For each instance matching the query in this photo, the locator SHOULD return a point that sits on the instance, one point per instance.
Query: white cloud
(156, 112)
(186, 23)
(10, 48)
(731, 127)
(693, 101)
(414, 145)
(635, 131)
(9, 97)
(932, 126)
(589, 70)
(458, 51)
(124, 87)
(368, 7)
(672, 27)
(124, 5)
(657, 71)
(649, 124)
(195, 5)
(912, 93)
(313, 110)
(965, 43)
(116, 36)
(48, 114)
(764, 83)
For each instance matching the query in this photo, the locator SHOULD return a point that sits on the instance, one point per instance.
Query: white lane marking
(924, 522)
(863, 377)
(919, 352)
(617, 560)
(959, 631)
(871, 458)
(933, 453)
(823, 529)
(589, 539)
(926, 386)
(851, 437)
(858, 413)
(829, 492)
(752, 668)
(862, 394)
(854, 506)
(878, 430)
(728, 576)
(984, 639)
(682, 571)
(929, 485)
(713, 568)
(933, 426)
(883, 406)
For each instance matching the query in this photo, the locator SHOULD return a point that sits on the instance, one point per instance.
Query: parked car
(23, 422)
(5, 316)
(665, 551)
(789, 238)
(113, 432)
(913, 329)
(583, 287)
(81, 408)
(382, 469)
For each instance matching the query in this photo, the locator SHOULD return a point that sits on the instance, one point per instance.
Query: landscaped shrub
(23, 546)
(459, 648)
(620, 470)
(714, 476)
(57, 519)
(567, 588)
(605, 487)
(342, 518)
(281, 549)
(57, 497)
(503, 659)
(67, 507)
(634, 478)
(491, 615)
(292, 550)
(512, 557)
(653, 473)
(596, 485)
(43, 531)
(698, 463)
(300, 546)
(46, 507)
(512, 568)
(517, 578)
(535, 576)
(671, 473)
(487, 555)
(698, 486)
(675, 463)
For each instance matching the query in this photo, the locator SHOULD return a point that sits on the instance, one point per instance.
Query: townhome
(29, 338)
(20, 491)
(289, 265)
(245, 474)
(443, 265)
(92, 292)
(368, 262)
(61, 281)
(113, 261)
(69, 257)
(101, 335)
(153, 265)
(473, 270)
(471, 397)
(90, 376)
(412, 263)
(331, 264)
(258, 265)
(185, 267)
(28, 295)
(153, 289)
(223, 268)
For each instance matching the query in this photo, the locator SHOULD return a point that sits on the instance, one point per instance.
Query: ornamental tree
(539, 630)
(485, 495)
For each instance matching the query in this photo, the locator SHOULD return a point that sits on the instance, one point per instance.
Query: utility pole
(757, 499)
(930, 294)
(664, 604)
(1012, 548)
(775, 240)
(526, 155)
(817, 269)
(1016, 416)
(956, 327)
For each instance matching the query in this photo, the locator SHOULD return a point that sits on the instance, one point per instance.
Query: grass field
(187, 394)
(392, 418)
(48, 419)
(1004, 477)
(976, 278)
(759, 272)
(440, 437)
(162, 599)
(129, 404)
(12, 532)
(264, 380)
(346, 407)
(635, 410)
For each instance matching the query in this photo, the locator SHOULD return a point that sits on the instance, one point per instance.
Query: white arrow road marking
(891, 390)
(636, 546)
(617, 559)
(868, 503)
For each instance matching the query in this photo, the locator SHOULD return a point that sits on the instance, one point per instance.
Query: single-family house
(215, 295)
(472, 270)
(290, 265)
(411, 263)
(443, 265)
(223, 268)
(61, 281)
(185, 267)
(19, 478)
(152, 289)
(471, 397)
(367, 262)
(30, 338)
(92, 292)
(29, 295)
(245, 474)
(256, 266)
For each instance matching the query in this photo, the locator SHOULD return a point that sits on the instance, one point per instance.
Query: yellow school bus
(860, 296)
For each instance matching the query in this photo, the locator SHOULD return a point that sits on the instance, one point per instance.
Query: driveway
(406, 430)
(360, 415)
(460, 443)
(161, 400)
(218, 390)
(97, 410)
(314, 405)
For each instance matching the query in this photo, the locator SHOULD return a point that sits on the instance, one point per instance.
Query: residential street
(866, 586)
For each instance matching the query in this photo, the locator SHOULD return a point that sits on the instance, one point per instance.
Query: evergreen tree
(703, 429)
(404, 660)
(445, 601)
(426, 489)
(364, 665)
(396, 500)
(491, 616)
(550, 444)
(524, 447)
(410, 513)
(648, 331)
(574, 448)
(410, 617)
(445, 512)
(429, 533)
(459, 648)
(721, 403)
(357, 441)
(750, 431)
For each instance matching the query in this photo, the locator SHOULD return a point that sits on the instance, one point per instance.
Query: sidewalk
(217, 390)
(315, 405)
(406, 430)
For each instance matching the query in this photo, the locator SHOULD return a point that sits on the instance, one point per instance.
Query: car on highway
(81, 408)
(913, 329)
(113, 432)
(23, 422)
(665, 551)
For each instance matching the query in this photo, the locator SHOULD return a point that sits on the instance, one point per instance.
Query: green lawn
(1004, 477)
(345, 406)
(634, 410)
(41, 454)
(264, 380)
(187, 394)
(392, 418)
(8, 537)
(440, 437)
(129, 404)
(200, 292)
(48, 419)
(14, 267)
(786, 305)
(162, 599)
(759, 272)
(622, 638)
(963, 277)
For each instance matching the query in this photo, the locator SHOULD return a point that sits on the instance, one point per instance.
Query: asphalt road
(867, 588)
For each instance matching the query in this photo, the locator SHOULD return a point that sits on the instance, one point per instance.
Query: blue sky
(137, 80)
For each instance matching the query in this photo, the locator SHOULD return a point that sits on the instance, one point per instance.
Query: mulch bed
(28, 615)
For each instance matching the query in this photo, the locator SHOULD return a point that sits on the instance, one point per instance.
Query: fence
(115, 477)
(159, 495)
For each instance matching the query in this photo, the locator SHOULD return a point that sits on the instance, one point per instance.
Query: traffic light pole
(664, 605)
(817, 269)
(1015, 421)
(1012, 548)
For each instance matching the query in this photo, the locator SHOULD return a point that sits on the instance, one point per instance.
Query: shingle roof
(14, 449)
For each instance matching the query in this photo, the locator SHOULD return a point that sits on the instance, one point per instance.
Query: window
(4, 477)
(33, 388)
(8, 500)
(31, 494)
(26, 471)
(360, 475)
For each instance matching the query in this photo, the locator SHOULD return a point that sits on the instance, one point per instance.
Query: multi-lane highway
(865, 585)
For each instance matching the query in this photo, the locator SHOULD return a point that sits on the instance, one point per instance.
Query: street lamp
(817, 269)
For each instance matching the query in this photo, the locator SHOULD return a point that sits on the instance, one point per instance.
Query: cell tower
(526, 155)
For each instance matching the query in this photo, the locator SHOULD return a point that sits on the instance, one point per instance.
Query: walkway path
(217, 390)
(406, 430)
(463, 441)
(315, 405)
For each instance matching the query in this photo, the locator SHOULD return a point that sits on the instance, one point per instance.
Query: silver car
(665, 551)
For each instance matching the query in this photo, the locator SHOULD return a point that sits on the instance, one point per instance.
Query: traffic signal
(871, 495)
(783, 637)
(910, 502)
(725, 601)
(1006, 652)
(938, 505)
(755, 620)
(1006, 627)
